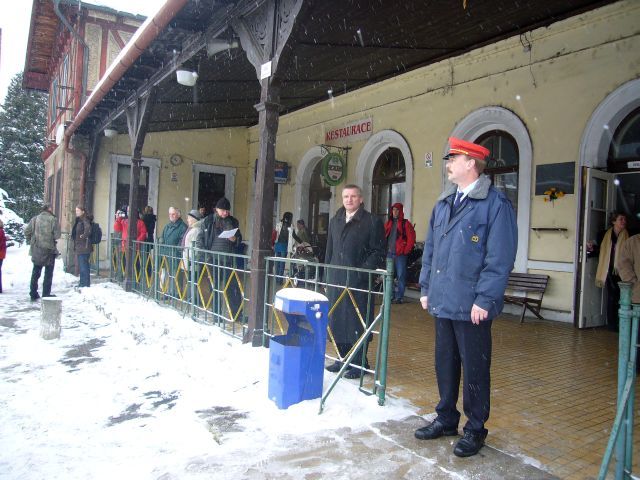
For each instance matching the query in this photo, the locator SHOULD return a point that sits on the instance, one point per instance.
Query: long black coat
(361, 244)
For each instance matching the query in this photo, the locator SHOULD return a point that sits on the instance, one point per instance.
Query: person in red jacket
(3, 250)
(121, 225)
(401, 237)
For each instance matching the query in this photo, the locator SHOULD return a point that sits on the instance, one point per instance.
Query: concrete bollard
(50, 320)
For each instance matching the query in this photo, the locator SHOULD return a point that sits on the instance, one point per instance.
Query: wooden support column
(90, 175)
(263, 35)
(268, 111)
(138, 117)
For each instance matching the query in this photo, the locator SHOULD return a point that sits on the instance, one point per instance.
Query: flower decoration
(553, 194)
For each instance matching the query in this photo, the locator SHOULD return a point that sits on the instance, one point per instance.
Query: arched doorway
(374, 150)
(503, 163)
(314, 198)
(388, 184)
(609, 151)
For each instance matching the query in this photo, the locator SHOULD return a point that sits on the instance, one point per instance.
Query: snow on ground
(135, 390)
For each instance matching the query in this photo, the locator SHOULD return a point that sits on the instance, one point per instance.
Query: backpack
(96, 233)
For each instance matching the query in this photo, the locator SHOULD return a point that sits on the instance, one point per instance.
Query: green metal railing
(211, 287)
(214, 288)
(375, 319)
(621, 438)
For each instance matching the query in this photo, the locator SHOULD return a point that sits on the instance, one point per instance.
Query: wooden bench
(526, 289)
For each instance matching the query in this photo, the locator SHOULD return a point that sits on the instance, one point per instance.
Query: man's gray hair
(177, 210)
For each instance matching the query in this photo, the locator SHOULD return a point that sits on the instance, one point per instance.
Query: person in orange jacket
(121, 225)
(401, 237)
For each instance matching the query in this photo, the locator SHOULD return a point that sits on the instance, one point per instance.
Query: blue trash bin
(296, 359)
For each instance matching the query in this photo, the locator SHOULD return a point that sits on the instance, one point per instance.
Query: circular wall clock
(175, 160)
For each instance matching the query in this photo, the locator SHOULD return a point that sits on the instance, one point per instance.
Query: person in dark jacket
(469, 252)
(82, 247)
(355, 239)
(41, 233)
(149, 220)
(401, 237)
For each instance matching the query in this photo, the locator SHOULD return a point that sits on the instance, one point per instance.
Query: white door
(599, 203)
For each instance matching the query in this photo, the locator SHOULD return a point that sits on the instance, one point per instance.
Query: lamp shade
(110, 132)
(186, 77)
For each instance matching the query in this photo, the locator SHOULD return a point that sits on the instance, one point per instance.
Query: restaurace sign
(351, 132)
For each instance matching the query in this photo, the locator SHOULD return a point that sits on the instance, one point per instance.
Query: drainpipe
(85, 47)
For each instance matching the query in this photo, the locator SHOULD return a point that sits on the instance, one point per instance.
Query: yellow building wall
(553, 89)
(221, 147)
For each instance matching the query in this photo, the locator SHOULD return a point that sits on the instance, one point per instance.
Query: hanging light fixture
(186, 77)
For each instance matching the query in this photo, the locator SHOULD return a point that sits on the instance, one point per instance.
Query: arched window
(625, 146)
(503, 163)
(388, 182)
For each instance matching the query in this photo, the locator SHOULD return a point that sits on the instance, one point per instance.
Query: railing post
(624, 340)
(192, 275)
(156, 273)
(384, 333)
(631, 376)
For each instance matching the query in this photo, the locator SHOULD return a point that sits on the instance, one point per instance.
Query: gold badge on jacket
(475, 239)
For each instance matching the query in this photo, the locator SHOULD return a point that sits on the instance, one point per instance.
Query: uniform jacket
(628, 265)
(360, 244)
(122, 225)
(41, 234)
(405, 233)
(81, 235)
(467, 259)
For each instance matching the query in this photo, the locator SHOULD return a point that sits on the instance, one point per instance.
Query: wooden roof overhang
(47, 37)
(338, 45)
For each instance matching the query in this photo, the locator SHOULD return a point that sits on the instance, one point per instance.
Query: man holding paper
(220, 232)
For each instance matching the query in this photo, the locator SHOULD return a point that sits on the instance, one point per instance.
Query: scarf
(605, 255)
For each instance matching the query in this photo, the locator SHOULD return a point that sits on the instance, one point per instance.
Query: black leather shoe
(334, 367)
(470, 444)
(434, 430)
(35, 297)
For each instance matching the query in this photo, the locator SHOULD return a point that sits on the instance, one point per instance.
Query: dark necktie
(456, 203)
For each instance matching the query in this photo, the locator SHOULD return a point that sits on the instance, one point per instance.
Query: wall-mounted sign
(428, 159)
(333, 168)
(633, 164)
(280, 171)
(351, 132)
(265, 70)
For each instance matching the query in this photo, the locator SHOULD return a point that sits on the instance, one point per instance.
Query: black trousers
(1, 275)
(461, 345)
(46, 283)
(613, 301)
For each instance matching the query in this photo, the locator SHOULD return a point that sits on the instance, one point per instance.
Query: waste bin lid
(295, 300)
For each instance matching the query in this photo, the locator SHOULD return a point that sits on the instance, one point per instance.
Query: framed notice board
(559, 175)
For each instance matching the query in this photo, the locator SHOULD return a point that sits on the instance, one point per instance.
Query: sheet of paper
(228, 233)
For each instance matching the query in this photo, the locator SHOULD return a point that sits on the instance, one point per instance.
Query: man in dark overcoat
(355, 239)
(468, 255)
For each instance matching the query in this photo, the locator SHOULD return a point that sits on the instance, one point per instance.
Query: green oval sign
(333, 170)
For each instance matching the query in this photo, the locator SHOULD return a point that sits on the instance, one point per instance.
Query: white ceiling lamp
(110, 132)
(186, 77)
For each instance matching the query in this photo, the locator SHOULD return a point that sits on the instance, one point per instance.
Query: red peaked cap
(473, 150)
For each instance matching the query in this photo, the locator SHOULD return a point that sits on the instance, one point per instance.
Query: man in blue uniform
(468, 255)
